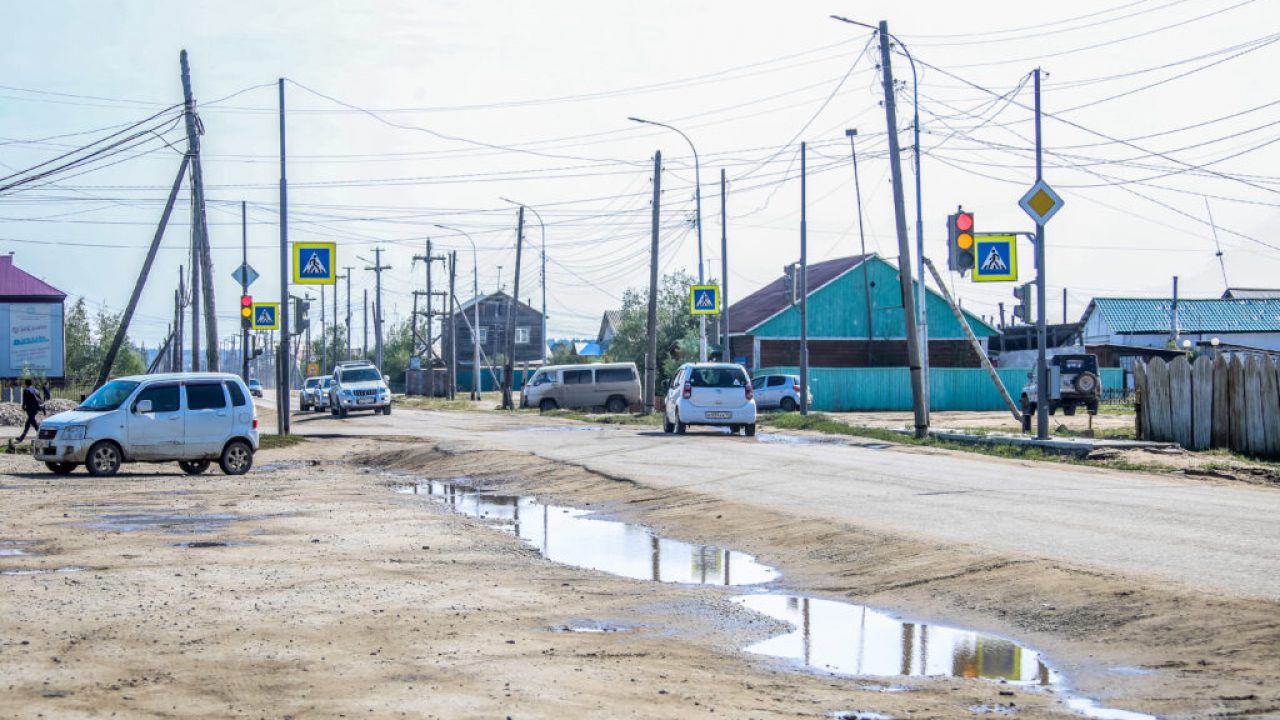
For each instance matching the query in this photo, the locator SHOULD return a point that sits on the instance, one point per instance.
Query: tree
(677, 329)
(86, 341)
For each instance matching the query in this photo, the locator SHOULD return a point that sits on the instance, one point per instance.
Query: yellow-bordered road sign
(995, 258)
(315, 263)
(266, 316)
(704, 299)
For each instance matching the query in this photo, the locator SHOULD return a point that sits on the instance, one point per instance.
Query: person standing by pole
(31, 405)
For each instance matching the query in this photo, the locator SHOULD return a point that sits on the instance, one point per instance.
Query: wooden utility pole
(178, 362)
(452, 381)
(803, 281)
(651, 352)
(200, 222)
(377, 269)
(918, 400)
(508, 368)
(348, 277)
(726, 353)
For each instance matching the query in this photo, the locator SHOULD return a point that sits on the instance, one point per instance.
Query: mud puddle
(782, 439)
(178, 523)
(42, 571)
(573, 536)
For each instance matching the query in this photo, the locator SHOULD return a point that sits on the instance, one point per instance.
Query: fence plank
(1180, 401)
(1202, 402)
(1142, 418)
(1221, 437)
(1270, 407)
(1236, 409)
(1157, 400)
(1254, 429)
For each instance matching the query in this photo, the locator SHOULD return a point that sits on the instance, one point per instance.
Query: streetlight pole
(542, 228)
(475, 328)
(697, 181)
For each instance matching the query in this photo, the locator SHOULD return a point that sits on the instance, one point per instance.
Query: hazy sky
(475, 101)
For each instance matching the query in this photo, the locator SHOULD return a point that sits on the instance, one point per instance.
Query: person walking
(31, 405)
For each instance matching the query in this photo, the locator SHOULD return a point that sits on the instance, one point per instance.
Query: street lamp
(697, 181)
(543, 229)
(475, 328)
(921, 293)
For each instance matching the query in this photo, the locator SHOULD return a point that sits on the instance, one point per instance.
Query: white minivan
(193, 418)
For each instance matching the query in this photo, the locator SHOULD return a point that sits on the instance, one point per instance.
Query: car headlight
(73, 432)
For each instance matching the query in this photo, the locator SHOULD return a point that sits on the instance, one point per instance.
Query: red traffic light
(964, 222)
(246, 301)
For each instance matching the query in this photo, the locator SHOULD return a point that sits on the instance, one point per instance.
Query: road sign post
(704, 299)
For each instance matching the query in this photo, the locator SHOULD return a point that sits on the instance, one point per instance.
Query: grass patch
(274, 442)
(437, 403)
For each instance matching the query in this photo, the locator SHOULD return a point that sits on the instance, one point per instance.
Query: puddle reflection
(573, 537)
(852, 639)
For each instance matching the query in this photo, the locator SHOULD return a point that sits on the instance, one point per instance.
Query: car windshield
(312, 383)
(254, 383)
(325, 383)
(539, 379)
(109, 396)
(718, 377)
(361, 375)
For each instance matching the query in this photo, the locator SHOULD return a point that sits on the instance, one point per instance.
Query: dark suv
(1078, 383)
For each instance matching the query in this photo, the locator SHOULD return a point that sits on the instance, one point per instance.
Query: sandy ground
(985, 420)
(334, 597)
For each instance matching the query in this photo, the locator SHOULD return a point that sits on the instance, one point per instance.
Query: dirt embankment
(312, 590)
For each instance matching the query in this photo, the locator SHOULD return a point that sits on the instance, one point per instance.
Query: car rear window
(237, 396)
(1078, 364)
(577, 377)
(205, 396)
(611, 375)
(164, 398)
(718, 377)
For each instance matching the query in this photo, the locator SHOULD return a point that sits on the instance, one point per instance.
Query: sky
(404, 115)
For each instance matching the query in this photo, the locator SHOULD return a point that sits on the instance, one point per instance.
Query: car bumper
(74, 451)
(356, 404)
(695, 415)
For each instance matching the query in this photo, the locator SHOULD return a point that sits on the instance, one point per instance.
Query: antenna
(1221, 263)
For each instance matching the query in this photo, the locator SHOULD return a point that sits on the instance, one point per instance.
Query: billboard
(32, 339)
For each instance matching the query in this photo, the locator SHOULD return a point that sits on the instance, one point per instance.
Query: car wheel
(667, 425)
(104, 459)
(1092, 407)
(333, 410)
(237, 458)
(616, 405)
(1068, 409)
(788, 404)
(342, 412)
(1026, 406)
(386, 410)
(547, 405)
(60, 468)
(193, 467)
(680, 427)
(1053, 408)
(750, 429)
(734, 429)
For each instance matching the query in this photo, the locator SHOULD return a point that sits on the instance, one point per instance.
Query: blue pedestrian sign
(266, 316)
(314, 263)
(704, 299)
(995, 258)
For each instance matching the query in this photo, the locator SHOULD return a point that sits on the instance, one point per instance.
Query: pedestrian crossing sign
(995, 258)
(704, 299)
(313, 263)
(266, 316)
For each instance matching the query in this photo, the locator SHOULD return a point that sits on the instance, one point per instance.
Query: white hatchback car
(193, 418)
(710, 394)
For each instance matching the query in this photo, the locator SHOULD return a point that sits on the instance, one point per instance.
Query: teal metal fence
(853, 389)
(487, 381)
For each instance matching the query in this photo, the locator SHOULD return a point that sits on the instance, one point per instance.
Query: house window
(484, 335)
(522, 336)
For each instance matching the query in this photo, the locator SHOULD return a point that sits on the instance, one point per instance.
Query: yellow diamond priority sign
(1041, 202)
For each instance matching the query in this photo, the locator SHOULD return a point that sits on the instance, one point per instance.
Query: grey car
(778, 391)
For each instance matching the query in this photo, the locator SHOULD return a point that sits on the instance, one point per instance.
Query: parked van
(193, 418)
(613, 386)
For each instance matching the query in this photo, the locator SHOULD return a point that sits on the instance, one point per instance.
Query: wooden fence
(1217, 403)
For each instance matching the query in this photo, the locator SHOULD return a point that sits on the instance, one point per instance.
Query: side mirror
(143, 407)
(386, 379)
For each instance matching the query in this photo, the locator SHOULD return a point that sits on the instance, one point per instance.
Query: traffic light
(960, 243)
(301, 316)
(789, 282)
(1023, 309)
(246, 311)
(256, 350)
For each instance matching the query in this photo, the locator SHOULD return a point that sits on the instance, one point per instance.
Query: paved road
(1213, 537)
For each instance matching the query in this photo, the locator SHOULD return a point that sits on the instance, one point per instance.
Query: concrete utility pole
(200, 221)
(452, 380)
(542, 228)
(918, 400)
(336, 325)
(179, 363)
(347, 275)
(283, 366)
(1042, 365)
(364, 343)
(804, 288)
(324, 346)
(244, 289)
(726, 352)
(377, 269)
(862, 240)
(475, 328)
(651, 352)
(508, 369)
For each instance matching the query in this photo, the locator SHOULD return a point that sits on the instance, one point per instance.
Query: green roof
(1219, 315)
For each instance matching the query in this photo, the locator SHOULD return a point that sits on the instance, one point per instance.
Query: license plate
(366, 401)
(719, 415)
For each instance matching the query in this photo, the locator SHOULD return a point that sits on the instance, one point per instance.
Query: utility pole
(324, 346)
(431, 389)
(244, 289)
(195, 296)
(1042, 365)
(508, 370)
(804, 288)
(200, 222)
(1064, 306)
(348, 277)
(336, 325)
(364, 344)
(179, 363)
(651, 353)
(453, 326)
(283, 366)
(862, 240)
(377, 269)
(918, 400)
(726, 352)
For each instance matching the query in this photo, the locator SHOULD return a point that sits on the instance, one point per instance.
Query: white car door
(208, 418)
(159, 433)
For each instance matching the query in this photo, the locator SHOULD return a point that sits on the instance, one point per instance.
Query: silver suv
(358, 385)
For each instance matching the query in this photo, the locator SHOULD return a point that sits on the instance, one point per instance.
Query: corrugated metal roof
(771, 299)
(1218, 315)
(15, 283)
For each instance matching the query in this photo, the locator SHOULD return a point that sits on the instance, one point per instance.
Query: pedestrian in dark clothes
(31, 405)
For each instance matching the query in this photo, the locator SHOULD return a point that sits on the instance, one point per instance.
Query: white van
(613, 386)
(193, 418)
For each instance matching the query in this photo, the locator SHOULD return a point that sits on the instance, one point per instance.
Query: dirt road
(335, 596)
